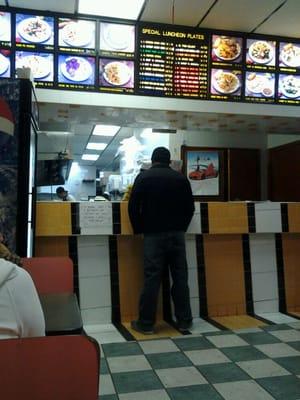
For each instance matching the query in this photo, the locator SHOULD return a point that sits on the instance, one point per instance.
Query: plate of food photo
(116, 73)
(290, 86)
(76, 69)
(40, 66)
(290, 55)
(225, 82)
(117, 37)
(34, 30)
(261, 52)
(76, 34)
(226, 48)
(4, 64)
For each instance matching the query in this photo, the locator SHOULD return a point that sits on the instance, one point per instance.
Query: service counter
(243, 259)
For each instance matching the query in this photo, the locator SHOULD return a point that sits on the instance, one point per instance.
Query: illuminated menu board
(117, 40)
(41, 65)
(89, 53)
(76, 35)
(34, 32)
(5, 29)
(172, 62)
(76, 72)
(226, 75)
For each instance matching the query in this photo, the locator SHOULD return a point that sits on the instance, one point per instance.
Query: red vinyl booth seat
(50, 274)
(49, 368)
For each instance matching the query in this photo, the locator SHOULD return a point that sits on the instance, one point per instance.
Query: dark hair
(161, 155)
(60, 189)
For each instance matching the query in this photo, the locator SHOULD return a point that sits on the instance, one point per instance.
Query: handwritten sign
(95, 218)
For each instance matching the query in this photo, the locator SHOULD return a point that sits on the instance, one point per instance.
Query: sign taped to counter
(95, 218)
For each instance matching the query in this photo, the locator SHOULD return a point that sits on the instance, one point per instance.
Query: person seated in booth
(21, 314)
(64, 195)
(7, 254)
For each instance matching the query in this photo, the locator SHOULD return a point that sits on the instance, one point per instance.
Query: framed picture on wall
(205, 170)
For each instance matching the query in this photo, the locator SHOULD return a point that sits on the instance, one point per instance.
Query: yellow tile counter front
(53, 219)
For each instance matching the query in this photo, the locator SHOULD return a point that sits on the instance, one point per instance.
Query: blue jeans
(164, 249)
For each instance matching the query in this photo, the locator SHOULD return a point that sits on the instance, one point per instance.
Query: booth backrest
(50, 274)
(49, 368)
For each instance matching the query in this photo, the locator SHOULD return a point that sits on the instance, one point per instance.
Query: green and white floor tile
(250, 364)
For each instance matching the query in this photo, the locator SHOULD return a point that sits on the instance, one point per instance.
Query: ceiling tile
(285, 21)
(242, 15)
(67, 6)
(186, 12)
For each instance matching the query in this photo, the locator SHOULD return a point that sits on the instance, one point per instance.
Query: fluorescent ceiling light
(126, 9)
(105, 130)
(90, 157)
(96, 146)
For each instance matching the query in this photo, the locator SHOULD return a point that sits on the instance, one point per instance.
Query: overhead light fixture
(96, 146)
(105, 130)
(124, 9)
(90, 157)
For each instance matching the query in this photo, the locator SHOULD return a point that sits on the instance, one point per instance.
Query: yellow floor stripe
(162, 329)
(238, 321)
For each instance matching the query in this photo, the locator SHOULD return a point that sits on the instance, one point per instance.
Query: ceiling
(277, 17)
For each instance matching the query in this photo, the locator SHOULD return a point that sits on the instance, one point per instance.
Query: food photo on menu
(117, 37)
(76, 33)
(260, 84)
(261, 52)
(227, 48)
(41, 64)
(116, 73)
(5, 63)
(226, 82)
(289, 55)
(289, 87)
(34, 29)
(5, 24)
(75, 69)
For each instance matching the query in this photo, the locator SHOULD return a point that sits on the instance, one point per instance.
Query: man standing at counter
(161, 207)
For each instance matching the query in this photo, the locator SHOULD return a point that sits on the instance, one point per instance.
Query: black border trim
(247, 275)
(284, 217)
(280, 273)
(251, 217)
(114, 280)
(203, 307)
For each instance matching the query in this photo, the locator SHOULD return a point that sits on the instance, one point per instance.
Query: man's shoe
(136, 326)
(184, 326)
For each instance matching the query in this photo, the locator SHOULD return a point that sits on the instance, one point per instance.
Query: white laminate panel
(96, 315)
(91, 241)
(268, 217)
(193, 283)
(195, 306)
(191, 254)
(265, 286)
(93, 261)
(195, 224)
(266, 306)
(95, 292)
(262, 253)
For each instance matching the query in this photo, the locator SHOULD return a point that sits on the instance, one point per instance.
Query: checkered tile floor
(254, 364)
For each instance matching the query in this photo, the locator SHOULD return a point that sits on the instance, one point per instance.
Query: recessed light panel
(124, 9)
(105, 130)
(90, 157)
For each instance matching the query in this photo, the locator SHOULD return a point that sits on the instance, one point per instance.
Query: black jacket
(161, 200)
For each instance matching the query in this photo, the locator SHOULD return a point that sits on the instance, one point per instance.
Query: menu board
(5, 28)
(117, 40)
(76, 35)
(172, 62)
(41, 65)
(85, 53)
(76, 72)
(34, 32)
(5, 63)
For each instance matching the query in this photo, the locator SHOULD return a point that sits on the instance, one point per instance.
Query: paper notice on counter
(95, 218)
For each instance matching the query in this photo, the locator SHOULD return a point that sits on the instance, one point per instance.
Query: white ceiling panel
(286, 21)
(242, 15)
(67, 6)
(186, 12)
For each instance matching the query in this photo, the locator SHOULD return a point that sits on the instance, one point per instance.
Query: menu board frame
(252, 79)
